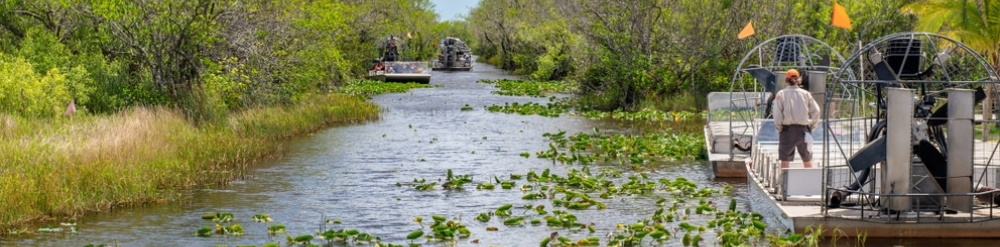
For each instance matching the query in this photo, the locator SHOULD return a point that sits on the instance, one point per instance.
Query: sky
(448, 10)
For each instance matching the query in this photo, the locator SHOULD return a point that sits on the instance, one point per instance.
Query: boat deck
(793, 197)
(728, 162)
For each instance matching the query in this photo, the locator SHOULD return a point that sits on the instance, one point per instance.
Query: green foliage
(43, 50)
(626, 52)
(209, 56)
(974, 23)
(27, 92)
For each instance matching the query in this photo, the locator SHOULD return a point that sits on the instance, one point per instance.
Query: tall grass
(64, 167)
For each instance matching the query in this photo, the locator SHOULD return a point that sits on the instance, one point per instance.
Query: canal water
(350, 174)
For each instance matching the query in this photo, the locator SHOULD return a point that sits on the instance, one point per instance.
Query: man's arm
(778, 111)
(813, 113)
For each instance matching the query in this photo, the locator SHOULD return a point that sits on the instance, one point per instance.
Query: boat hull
(415, 78)
(452, 69)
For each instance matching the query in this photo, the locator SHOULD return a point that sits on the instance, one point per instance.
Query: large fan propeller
(930, 150)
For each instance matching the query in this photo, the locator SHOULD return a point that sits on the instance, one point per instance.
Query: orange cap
(790, 73)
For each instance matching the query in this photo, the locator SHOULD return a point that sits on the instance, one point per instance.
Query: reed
(68, 166)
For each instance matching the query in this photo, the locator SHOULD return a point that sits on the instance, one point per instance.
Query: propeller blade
(825, 62)
(940, 116)
(935, 162)
(764, 76)
(871, 154)
(883, 72)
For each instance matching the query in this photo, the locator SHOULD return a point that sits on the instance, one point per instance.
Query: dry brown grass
(67, 166)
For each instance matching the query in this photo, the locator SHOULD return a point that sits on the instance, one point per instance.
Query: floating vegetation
(531, 108)
(415, 235)
(451, 181)
(530, 88)
(441, 229)
(348, 236)
(262, 218)
(204, 232)
(485, 186)
(219, 217)
(684, 214)
(48, 228)
(234, 229)
(301, 239)
(220, 229)
(504, 210)
(483, 217)
(651, 118)
(368, 88)
(276, 229)
(584, 148)
(646, 114)
(467, 107)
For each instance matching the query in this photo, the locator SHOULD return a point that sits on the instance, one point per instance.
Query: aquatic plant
(262, 218)
(531, 108)
(530, 88)
(368, 88)
(442, 229)
(467, 107)
(415, 235)
(586, 148)
(219, 217)
(451, 181)
(301, 239)
(235, 229)
(483, 217)
(276, 229)
(645, 114)
(348, 236)
(204, 232)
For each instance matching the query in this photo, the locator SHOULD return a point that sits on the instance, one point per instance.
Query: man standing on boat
(796, 115)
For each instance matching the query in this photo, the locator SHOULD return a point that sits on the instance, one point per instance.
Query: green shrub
(25, 92)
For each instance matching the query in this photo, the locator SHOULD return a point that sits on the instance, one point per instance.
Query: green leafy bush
(28, 93)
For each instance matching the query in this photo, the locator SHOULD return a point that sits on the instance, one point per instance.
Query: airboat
(906, 146)
(390, 68)
(454, 55)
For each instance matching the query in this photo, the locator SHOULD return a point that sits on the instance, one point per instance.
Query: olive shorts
(792, 137)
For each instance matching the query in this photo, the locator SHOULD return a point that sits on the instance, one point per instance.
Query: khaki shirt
(795, 106)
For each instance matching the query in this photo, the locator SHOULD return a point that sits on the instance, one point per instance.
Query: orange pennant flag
(747, 31)
(840, 18)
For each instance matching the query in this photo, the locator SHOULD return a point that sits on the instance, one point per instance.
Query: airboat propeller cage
(761, 73)
(924, 88)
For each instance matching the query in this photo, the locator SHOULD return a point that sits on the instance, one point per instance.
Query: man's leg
(804, 151)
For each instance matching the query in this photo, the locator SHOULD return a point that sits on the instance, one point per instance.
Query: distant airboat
(390, 68)
(454, 55)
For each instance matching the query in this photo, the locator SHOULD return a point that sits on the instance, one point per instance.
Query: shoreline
(67, 167)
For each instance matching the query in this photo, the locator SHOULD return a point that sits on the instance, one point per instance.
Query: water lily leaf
(414, 235)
